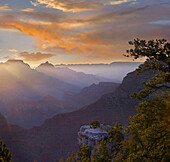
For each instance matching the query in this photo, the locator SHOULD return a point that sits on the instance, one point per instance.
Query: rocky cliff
(90, 94)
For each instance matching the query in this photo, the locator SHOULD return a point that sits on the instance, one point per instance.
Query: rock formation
(91, 136)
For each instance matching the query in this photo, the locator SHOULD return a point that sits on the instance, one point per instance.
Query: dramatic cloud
(4, 7)
(94, 36)
(13, 50)
(34, 56)
(116, 2)
(78, 5)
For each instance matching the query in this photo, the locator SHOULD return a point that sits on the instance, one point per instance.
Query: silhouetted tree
(5, 154)
(148, 131)
(157, 54)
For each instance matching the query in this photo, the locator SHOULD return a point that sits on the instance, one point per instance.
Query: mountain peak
(46, 64)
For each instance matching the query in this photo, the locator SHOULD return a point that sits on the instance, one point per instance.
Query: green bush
(95, 124)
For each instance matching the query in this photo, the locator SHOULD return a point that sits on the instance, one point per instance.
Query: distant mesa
(112, 63)
(15, 62)
(80, 64)
(126, 63)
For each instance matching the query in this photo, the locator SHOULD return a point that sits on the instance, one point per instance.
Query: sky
(78, 31)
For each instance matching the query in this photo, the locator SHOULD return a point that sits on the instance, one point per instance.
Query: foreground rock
(91, 136)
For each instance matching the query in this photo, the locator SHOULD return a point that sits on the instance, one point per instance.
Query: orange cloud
(13, 50)
(28, 10)
(97, 35)
(63, 34)
(120, 2)
(34, 56)
(4, 7)
(78, 5)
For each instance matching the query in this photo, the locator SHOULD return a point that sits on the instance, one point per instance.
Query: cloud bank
(97, 35)
(5, 7)
(78, 5)
(30, 57)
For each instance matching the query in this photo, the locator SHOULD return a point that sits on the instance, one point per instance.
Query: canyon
(58, 135)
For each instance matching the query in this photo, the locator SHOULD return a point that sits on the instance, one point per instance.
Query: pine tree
(84, 153)
(95, 155)
(104, 153)
(95, 124)
(73, 155)
(5, 154)
(61, 159)
(148, 131)
(69, 158)
(116, 136)
(158, 60)
(147, 136)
